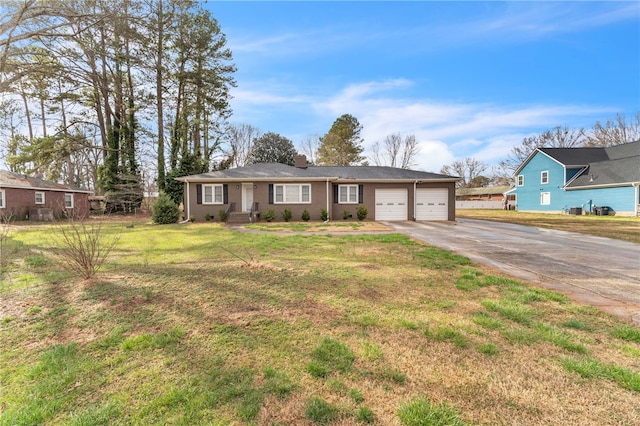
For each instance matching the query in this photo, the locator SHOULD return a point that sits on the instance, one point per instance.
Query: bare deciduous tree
(614, 132)
(396, 151)
(238, 141)
(469, 169)
(309, 147)
(558, 137)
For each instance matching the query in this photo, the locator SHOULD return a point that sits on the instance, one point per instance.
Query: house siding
(19, 201)
(318, 199)
(621, 199)
(528, 196)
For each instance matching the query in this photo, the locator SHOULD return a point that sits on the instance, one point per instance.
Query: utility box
(577, 211)
(602, 211)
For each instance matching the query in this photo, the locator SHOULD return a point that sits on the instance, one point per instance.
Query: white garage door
(432, 204)
(391, 204)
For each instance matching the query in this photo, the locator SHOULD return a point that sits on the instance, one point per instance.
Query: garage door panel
(432, 204)
(391, 204)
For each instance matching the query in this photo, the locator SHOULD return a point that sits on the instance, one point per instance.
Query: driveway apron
(598, 271)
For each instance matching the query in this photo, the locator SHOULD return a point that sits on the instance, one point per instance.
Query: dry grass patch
(203, 337)
(619, 227)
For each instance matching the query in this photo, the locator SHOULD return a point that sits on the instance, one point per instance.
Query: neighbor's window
(348, 194)
(544, 177)
(39, 197)
(291, 194)
(545, 198)
(212, 194)
(2, 205)
(68, 201)
(520, 180)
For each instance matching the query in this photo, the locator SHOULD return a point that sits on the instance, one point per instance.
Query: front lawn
(198, 324)
(624, 228)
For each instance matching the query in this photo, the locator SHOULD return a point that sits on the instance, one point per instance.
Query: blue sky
(468, 79)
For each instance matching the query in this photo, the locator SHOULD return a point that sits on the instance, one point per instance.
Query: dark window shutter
(335, 194)
(270, 193)
(198, 193)
(360, 194)
(225, 194)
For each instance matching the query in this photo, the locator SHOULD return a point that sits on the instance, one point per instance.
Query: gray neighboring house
(389, 194)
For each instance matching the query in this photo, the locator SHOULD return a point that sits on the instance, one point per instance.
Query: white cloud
(445, 130)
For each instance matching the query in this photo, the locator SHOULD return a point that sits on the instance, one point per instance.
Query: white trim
(71, 198)
(3, 199)
(348, 188)
(518, 184)
(213, 194)
(544, 174)
(36, 197)
(547, 198)
(286, 193)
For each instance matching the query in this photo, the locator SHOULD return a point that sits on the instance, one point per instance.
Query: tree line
(96, 93)
(475, 173)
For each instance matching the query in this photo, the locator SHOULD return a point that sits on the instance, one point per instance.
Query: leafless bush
(83, 246)
(4, 240)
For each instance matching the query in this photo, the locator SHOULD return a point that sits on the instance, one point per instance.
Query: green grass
(591, 368)
(421, 412)
(198, 324)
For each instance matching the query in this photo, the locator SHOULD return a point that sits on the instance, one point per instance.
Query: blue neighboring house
(575, 180)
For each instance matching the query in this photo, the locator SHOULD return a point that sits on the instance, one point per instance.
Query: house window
(544, 177)
(68, 201)
(39, 197)
(348, 194)
(212, 194)
(545, 198)
(292, 194)
(520, 180)
(2, 202)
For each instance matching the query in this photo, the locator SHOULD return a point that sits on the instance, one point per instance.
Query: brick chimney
(301, 161)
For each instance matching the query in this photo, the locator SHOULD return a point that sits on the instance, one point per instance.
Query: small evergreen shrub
(362, 213)
(305, 215)
(165, 211)
(208, 217)
(346, 214)
(286, 215)
(192, 218)
(324, 215)
(222, 215)
(269, 215)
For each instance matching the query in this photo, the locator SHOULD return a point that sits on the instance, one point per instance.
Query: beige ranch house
(389, 194)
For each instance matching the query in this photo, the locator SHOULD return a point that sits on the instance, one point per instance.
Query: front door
(247, 196)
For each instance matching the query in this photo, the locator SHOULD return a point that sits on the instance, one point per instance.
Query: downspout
(636, 201)
(327, 198)
(415, 199)
(188, 205)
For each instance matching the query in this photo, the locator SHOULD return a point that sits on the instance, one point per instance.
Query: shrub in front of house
(346, 214)
(324, 215)
(269, 215)
(362, 213)
(165, 211)
(305, 215)
(208, 217)
(286, 215)
(222, 215)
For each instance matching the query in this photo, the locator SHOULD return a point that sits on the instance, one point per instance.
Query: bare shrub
(4, 240)
(83, 246)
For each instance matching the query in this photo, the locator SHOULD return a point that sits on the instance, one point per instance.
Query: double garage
(430, 204)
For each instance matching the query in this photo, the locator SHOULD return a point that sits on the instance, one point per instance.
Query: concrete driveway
(599, 271)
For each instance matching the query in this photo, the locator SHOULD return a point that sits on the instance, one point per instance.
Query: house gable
(592, 177)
